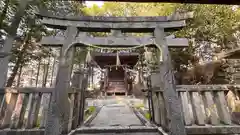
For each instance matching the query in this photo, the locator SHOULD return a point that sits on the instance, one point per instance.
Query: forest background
(212, 30)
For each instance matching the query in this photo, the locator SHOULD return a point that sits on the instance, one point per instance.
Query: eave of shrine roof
(129, 54)
(103, 59)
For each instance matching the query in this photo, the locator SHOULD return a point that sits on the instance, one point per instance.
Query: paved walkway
(116, 113)
(113, 100)
(140, 133)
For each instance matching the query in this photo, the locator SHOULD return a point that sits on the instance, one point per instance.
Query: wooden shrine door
(116, 83)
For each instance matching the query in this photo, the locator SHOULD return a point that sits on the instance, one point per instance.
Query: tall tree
(214, 28)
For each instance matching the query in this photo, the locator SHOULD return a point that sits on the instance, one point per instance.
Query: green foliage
(147, 116)
(92, 109)
(214, 28)
(130, 9)
(89, 112)
(212, 23)
(139, 106)
(26, 47)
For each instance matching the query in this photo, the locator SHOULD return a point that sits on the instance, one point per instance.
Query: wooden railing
(27, 109)
(205, 109)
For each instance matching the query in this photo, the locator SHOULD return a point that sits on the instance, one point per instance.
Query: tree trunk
(4, 13)
(18, 62)
(14, 73)
(10, 39)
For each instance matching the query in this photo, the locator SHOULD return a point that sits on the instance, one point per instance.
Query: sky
(91, 3)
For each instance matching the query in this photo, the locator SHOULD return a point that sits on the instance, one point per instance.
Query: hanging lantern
(118, 63)
(88, 57)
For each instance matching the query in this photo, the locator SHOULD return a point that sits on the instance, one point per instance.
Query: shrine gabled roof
(104, 59)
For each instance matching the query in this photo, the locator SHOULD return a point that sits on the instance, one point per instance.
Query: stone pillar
(78, 83)
(167, 84)
(58, 117)
(83, 96)
(155, 84)
(106, 81)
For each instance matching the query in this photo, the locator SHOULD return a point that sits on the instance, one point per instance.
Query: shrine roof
(104, 59)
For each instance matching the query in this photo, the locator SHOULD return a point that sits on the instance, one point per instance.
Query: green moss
(89, 112)
(139, 106)
(92, 109)
(147, 115)
(38, 122)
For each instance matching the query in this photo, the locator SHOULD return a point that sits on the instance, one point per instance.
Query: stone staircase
(113, 100)
(136, 130)
(117, 118)
(116, 87)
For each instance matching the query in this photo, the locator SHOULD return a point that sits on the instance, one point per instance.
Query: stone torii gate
(75, 35)
(157, 26)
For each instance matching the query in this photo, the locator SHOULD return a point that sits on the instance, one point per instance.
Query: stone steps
(117, 130)
(112, 100)
(117, 119)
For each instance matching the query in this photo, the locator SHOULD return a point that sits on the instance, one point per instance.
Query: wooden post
(167, 83)
(54, 63)
(19, 76)
(77, 83)
(154, 83)
(10, 39)
(58, 118)
(31, 81)
(126, 82)
(82, 100)
(106, 81)
(45, 97)
(45, 72)
(38, 70)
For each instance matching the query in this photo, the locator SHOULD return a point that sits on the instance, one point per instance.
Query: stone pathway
(140, 133)
(113, 100)
(116, 115)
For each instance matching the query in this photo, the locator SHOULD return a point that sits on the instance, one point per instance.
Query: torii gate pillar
(175, 121)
